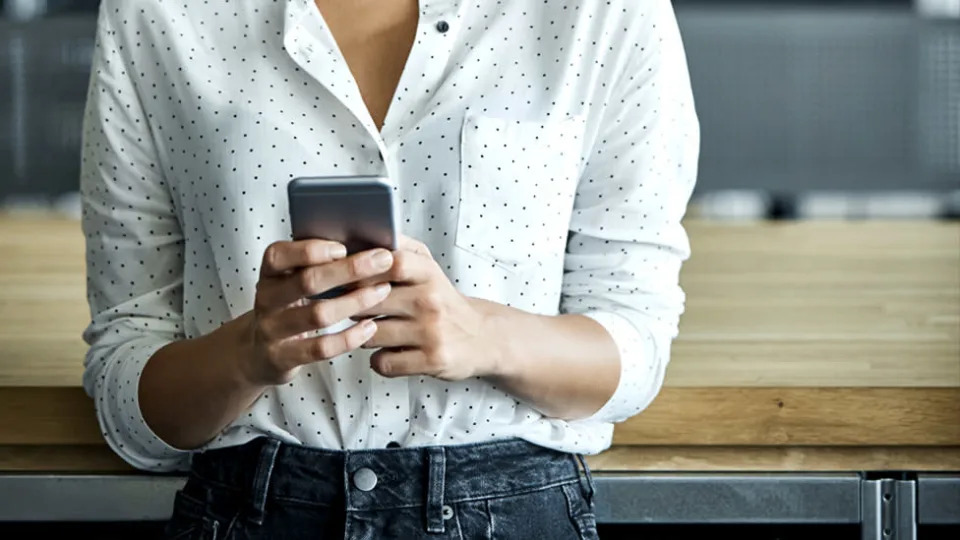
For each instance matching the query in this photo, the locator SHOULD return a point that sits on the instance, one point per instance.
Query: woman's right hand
(278, 335)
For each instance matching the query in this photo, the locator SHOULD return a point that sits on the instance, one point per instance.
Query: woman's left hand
(428, 327)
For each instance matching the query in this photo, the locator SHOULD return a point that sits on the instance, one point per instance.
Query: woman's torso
(484, 140)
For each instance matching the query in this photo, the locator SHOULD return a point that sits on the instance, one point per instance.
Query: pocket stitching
(579, 511)
(189, 509)
(510, 264)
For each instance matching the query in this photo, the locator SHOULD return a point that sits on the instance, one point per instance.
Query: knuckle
(380, 364)
(261, 333)
(272, 255)
(274, 358)
(309, 281)
(322, 348)
(320, 315)
(355, 268)
(429, 302)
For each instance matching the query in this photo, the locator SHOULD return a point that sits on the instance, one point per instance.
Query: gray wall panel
(790, 99)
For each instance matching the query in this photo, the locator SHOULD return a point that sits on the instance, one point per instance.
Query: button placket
(424, 70)
(313, 48)
(390, 400)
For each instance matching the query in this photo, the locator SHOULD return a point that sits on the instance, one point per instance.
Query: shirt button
(447, 512)
(393, 444)
(443, 26)
(364, 479)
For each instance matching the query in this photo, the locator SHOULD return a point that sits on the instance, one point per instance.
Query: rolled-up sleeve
(134, 252)
(627, 243)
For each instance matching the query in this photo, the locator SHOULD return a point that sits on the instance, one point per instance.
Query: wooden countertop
(818, 345)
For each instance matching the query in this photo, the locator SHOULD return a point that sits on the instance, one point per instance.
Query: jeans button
(393, 444)
(447, 512)
(364, 479)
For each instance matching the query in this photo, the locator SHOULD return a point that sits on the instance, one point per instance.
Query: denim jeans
(502, 490)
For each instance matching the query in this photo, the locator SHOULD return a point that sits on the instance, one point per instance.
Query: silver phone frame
(339, 185)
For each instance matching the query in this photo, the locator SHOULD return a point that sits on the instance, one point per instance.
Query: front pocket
(192, 519)
(518, 180)
(580, 511)
(187, 518)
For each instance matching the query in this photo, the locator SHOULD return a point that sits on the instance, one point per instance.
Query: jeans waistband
(381, 479)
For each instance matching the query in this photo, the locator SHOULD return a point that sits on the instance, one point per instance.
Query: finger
(406, 243)
(398, 363)
(308, 350)
(411, 268)
(282, 257)
(313, 280)
(322, 313)
(395, 333)
(401, 302)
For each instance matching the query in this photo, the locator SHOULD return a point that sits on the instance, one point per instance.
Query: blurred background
(810, 110)
(816, 109)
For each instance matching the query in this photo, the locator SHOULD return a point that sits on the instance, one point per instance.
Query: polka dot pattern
(544, 151)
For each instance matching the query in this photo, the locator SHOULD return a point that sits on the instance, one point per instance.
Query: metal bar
(904, 511)
(938, 500)
(871, 496)
(889, 510)
(633, 498)
(716, 498)
(87, 498)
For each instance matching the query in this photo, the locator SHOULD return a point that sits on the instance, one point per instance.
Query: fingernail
(369, 328)
(382, 289)
(382, 259)
(338, 251)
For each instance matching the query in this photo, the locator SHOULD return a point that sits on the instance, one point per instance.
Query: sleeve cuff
(121, 420)
(641, 374)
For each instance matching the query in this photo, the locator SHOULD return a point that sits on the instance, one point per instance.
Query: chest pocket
(518, 180)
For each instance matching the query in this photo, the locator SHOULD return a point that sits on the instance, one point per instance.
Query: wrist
(233, 344)
(500, 360)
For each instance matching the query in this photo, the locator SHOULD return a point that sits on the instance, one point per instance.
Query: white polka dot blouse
(544, 151)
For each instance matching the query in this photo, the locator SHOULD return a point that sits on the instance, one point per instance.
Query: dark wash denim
(502, 490)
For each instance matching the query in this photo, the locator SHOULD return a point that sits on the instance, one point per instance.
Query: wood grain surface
(795, 304)
(99, 459)
(774, 458)
(678, 417)
(804, 346)
(793, 416)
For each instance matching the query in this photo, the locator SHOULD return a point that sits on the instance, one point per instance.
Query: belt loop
(590, 488)
(261, 479)
(436, 469)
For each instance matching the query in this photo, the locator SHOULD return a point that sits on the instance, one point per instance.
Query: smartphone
(359, 212)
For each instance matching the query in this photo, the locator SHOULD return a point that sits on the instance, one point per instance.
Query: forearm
(565, 366)
(191, 390)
